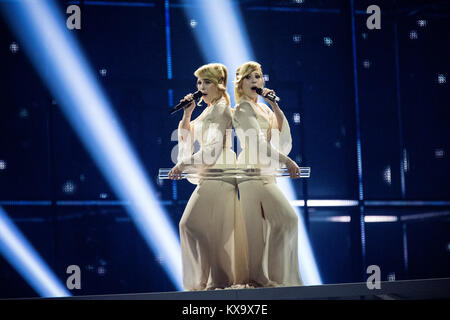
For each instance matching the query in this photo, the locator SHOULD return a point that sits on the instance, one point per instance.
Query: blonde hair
(241, 72)
(218, 74)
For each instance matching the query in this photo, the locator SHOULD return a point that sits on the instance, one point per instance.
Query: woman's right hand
(175, 172)
(293, 168)
(191, 106)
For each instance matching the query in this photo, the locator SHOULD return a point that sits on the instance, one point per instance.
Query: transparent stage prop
(234, 172)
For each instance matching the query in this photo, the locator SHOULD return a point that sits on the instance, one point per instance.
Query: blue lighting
(292, 9)
(61, 64)
(27, 262)
(327, 41)
(119, 3)
(170, 93)
(221, 28)
(218, 28)
(168, 45)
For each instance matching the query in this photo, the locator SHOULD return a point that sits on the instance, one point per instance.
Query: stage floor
(390, 290)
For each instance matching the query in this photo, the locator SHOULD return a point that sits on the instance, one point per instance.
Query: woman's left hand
(175, 173)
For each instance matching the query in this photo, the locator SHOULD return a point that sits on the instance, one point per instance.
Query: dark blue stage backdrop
(368, 111)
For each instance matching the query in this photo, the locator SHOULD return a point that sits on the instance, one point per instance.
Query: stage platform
(390, 290)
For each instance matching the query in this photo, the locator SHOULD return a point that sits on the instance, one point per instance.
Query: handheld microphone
(181, 105)
(269, 96)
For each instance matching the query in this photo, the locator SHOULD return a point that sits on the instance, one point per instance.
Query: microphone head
(258, 90)
(197, 94)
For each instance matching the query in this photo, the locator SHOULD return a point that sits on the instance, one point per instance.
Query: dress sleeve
(185, 141)
(244, 119)
(213, 128)
(281, 139)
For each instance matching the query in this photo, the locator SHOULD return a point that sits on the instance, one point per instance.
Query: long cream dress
(212, 229)
(271, 223)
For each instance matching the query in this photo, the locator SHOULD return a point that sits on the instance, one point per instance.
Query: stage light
(23, 113)
(101, 270)
(193, 23)
(331, 203)
(63, 67)
(439, 153)
(159, 259)
(220, 28)
(2, 165)
(103, 72)
(405, 161)
(413, 34)
(391, 276)
(103, 195)
(342, 219)
(69, 187)
(345, 219)
(327, 41)
(299, 1)
(168, 46)
(442, 79)
(364, 35)
(297, 38)
(366, 64)
(422, 23)
(296, 118)
(370, 219)
(266, 77)
(387, 175)
(26, 261)
(406, 203)
(297, 203)
(174, 190)
(14, 47)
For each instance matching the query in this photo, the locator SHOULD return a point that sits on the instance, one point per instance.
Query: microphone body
(181, 105)
(269, 96)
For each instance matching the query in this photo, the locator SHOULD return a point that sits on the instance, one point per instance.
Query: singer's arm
(279, 115)
(281, 138)
(244, 120)
(186, 135)
(213, 129)
(275, 107)
(185, 123)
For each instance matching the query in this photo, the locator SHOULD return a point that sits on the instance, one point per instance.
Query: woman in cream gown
(211, 228)
(271, 223)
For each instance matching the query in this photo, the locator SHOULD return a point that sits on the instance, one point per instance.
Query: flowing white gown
(271, 222)
(212, 229)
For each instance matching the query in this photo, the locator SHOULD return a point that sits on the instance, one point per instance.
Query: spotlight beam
(221, 36)
(23, 257)
(61, 64)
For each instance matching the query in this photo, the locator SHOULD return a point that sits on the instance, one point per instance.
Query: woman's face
(253, 79)
(209, 90)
